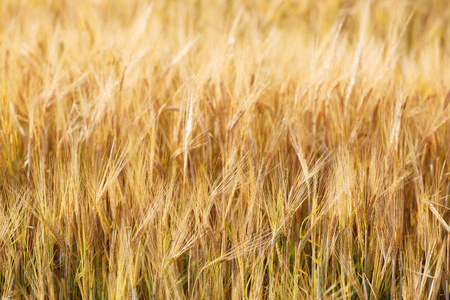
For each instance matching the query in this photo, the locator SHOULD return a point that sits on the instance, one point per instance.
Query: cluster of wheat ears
(224, 149)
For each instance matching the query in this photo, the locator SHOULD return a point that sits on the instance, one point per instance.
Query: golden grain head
(198, 149)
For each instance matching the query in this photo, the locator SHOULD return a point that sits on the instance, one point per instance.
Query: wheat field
(224, 149)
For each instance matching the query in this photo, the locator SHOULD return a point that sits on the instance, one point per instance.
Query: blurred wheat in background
(224, 149)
